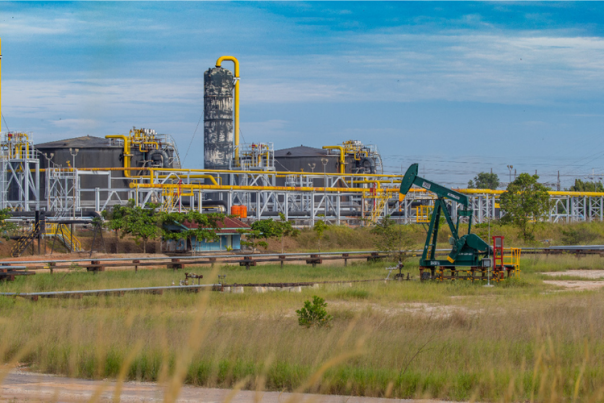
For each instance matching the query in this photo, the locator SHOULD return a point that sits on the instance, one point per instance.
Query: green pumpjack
(468, 250)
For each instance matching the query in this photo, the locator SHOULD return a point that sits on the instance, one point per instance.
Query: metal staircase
(25, 241)
(63, 234)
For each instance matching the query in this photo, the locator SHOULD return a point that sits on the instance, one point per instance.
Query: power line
(192, 138)
(5, 124)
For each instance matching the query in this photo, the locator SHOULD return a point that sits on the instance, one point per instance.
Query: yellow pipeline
(196, 177)
(227, 187)
(236, 63)
(140, 146)
(288, 173)
(342, 156)
(126, 151)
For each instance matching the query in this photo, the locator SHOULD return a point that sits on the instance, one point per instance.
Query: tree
(5, 226)
(141, 223)
(267, 229)
(586, 186)
(525, 203)
(205, 229)
(392, 238)
(115, 219)
(484, 180)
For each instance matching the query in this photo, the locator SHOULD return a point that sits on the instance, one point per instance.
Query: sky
(459, 88)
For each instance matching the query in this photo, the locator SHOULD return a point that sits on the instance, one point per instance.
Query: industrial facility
(345, 183)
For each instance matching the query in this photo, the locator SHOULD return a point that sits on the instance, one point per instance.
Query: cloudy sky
(458, 87)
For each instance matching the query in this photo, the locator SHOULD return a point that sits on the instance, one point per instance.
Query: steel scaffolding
(303, 197)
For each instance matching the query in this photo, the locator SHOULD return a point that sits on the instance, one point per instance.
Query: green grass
(408, 339)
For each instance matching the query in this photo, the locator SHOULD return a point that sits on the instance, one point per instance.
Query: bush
(578, 235)
(314, 314)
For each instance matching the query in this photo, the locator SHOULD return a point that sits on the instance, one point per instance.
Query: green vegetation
(484, 180)
(319, 229)
(148, 224)
(526, 204)
(6, 227)
(391, 238)
(269, 229)
(518, 341)
(314, 313)
(586, 186)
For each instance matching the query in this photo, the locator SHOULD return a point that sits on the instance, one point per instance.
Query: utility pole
(558, 184)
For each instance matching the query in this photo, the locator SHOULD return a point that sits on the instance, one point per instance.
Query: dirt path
(591, 274)
(28, 387)
(576, 285)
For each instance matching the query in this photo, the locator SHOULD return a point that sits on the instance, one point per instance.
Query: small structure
(229, 238)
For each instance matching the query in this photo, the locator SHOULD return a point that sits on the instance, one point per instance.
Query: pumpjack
(468, 250)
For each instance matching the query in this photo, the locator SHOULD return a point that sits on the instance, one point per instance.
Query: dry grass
(460, 341)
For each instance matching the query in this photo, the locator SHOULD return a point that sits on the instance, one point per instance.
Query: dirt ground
(20, 386)
(579, 285)
(591, 274)
(423, 309)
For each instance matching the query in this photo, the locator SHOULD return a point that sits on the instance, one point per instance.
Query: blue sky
(458, 87)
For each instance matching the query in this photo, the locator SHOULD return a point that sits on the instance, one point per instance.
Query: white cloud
(470, 67)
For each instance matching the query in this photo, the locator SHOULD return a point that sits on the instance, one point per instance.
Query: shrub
(314, 314)
(578, 235)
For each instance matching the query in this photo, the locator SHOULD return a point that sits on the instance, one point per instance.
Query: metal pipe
(126, 151)
(255, 255)
(236, 63)
(52, 293)
(342, 156)
(229, 187)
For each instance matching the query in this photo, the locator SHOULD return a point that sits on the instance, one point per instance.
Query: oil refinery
(79, 177)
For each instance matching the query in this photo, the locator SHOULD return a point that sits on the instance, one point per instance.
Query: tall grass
(456, 341)
(341, 237)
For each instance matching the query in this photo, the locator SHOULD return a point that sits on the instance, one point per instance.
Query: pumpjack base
(465, 273)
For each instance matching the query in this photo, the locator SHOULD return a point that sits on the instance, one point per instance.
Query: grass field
(520, 340)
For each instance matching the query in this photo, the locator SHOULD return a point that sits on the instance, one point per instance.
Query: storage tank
(305, 159)
(97, 152)
(93, 152)
(218, 118)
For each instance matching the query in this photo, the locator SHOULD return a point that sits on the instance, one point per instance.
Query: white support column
(338, 209)
(312, 208)
(286, 206)
(37, 184)
(25, 185)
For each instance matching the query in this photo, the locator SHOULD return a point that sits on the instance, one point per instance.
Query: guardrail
(247, 260)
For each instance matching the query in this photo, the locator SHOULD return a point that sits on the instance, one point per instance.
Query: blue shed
(229, 238)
